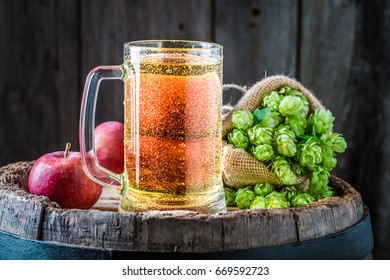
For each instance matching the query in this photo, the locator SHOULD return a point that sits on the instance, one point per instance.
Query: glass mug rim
(183, 45)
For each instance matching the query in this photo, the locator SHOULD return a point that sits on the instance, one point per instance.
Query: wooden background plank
(259, 38)
(345, 58)
(339, 49)
(39, 91)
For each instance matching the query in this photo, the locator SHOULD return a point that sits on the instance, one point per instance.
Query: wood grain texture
(259, 38)
(39, 95)
(345, 58)
(89, 228)
(327, 36)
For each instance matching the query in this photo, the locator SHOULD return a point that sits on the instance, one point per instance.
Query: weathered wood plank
(38, 78)
(157, 231)
(326, 51)
(106, 27)
(345, 59)
(259, 38)
(263, 228)
(20, 212)
(101, 229)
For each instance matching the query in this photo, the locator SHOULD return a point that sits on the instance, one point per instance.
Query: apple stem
(67, 148)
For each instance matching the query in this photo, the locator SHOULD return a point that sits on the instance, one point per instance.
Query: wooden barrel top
(38, 218)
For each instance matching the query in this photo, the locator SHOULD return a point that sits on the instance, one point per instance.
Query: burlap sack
(240, 168)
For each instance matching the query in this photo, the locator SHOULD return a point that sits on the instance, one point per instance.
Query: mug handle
(89, 160)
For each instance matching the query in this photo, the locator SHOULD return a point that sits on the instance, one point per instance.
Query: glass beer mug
(173, 126)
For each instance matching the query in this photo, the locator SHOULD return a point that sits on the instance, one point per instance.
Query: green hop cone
(291, 106)
(242, 119)
(263, 152)
(289, 192)
(263, 189)
(336, 142)
(285, 141)
(297, 168)
(260, 135)
(244, 197)
(309, 153)
(318, 184)
(258, 203)
(305, 103)
(272, 100)
(281, 169)
(301, 199)
(238, 138)
(321, 122)
(328, 159)
(230, 196)
(297, 124)
(276, 200)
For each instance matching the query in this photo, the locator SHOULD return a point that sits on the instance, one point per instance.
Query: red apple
(109, 137)
(60, 177)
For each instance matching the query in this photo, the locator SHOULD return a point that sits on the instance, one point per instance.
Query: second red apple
(109, 145)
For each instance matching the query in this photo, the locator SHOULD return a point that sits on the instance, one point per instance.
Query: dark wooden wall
(338, 48)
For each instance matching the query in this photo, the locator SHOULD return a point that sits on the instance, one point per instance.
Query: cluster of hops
(267, 196)
(289, 140)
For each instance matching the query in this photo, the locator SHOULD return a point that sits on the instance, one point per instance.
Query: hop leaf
(263, 152)
(281, 169)
(244, 197)
(242, 120)
(266, 117)
(258, 203)
(230, 196)
(301, 199)
(238, 138)
(285, 141)
(263, 189)
(321, 122)
(289, 192)
(276, 200)
(260, 135)
(291, 106)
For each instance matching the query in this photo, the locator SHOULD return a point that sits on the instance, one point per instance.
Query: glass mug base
(209, 202)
